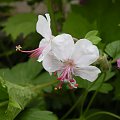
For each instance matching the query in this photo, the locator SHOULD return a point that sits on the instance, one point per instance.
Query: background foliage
(27, 90)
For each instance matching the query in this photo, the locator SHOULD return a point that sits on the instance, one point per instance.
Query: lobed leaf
(92, 86)
(113, 49)
(20, 24)
(36, 114)
(92, 36)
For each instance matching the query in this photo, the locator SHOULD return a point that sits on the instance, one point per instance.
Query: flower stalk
(94, 95)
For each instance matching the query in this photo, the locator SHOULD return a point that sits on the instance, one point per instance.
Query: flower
(70, 59)
(118, 63)
(43, 28)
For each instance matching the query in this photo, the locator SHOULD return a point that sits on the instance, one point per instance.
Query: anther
(55, 88)
(18, 48)
(76, 85)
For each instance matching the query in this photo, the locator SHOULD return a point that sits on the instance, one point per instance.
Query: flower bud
(104, 63)
(118, 63)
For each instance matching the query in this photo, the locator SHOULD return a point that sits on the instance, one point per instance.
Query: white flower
(43, 28)
(70, 59)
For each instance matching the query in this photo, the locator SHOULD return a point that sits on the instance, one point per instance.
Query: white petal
(40, 58)
(46, 50)
(88, 72)
(85, 53)
(43, 27)
(43, 42)
(48, 18)
(51, 63)
(62, 46)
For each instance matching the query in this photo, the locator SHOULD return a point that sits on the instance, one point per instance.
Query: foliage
(18, 92)
(36, 114)
(92, 36)
(21, 23)
(113, 49)
(27, 90)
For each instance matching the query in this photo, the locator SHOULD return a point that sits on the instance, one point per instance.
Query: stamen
(72, 83)
(76, 85)
(34, 53)
(65, 74)
(55, 88)
(59, 86)
(72, 80)
(71, 87)
(55, 73)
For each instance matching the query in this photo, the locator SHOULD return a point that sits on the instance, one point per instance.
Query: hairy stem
(94, 95)
(87, 90)
(72, 108)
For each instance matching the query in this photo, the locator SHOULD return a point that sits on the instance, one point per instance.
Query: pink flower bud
(118, 63)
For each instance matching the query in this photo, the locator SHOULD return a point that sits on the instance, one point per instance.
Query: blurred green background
(22, 92)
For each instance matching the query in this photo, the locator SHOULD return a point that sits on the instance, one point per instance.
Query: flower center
(70, 63)
(67, 70)
(66, 75)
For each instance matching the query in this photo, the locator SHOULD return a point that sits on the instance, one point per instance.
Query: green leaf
(20, 24)
(92, 86)
(91, 33)
(36, 114)
(82, 27)
(109, 75)
(3, 93)
(99, 116)
(104, 14)
(45, 78)
(23, 73)
(92, 36)
(110, 31)
(116, 84)
(105, 88)
(20, 88)
(2, 116)
(19, 97)
(113, 49)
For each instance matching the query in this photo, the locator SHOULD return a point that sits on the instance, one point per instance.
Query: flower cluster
(62, 56)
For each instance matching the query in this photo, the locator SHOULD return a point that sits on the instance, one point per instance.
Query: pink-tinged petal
(43, 27)
(89, 73)
(63, 46)
(51, 63)
(85, 53)
(45, 51)
(118, 63)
